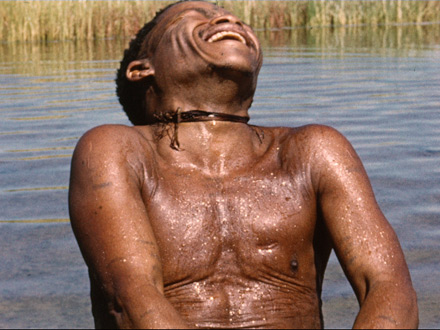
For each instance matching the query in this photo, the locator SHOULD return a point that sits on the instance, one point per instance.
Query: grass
(87, 20)
(277, 14)
(72, 19)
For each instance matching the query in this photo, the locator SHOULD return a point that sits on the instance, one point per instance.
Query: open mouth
(227, 35)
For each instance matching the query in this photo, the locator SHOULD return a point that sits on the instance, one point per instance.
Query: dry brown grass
(81, 19)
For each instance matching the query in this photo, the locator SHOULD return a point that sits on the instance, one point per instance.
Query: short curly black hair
(132, 94)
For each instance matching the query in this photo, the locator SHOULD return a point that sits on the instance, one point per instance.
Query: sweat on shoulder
(192, 218)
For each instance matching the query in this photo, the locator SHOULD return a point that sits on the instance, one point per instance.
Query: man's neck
(214, 147)
(212, 93)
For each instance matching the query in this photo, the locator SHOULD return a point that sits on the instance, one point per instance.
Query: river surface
(379, 87)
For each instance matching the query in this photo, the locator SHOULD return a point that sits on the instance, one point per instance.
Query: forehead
(205, 8)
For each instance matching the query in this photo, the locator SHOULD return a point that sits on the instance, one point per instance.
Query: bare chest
(206, 225)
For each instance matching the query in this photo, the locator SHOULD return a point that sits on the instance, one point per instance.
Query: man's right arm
(111, 225)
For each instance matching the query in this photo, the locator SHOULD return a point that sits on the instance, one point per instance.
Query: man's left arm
(365, 244)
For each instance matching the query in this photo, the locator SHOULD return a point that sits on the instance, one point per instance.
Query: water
(381, 88)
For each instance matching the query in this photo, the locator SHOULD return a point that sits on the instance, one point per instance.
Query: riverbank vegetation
(87, 20)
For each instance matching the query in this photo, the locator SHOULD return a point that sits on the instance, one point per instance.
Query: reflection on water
(36, 221)
(380, 87)
(36, 189)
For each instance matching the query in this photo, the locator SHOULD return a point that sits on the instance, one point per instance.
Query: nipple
(294, 265)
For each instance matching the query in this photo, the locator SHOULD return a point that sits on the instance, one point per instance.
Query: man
(193, 218)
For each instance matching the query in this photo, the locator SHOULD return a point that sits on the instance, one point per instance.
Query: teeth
(222, 35)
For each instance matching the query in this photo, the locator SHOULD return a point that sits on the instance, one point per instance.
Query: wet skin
(233, 230)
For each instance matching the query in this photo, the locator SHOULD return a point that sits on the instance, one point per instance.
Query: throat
(216, 140)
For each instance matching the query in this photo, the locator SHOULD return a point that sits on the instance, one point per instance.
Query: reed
(73, 19)
(86, 20)
(313, 13)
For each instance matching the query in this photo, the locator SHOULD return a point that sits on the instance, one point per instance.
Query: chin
(232, 68)
(236, 64)
(244, 77)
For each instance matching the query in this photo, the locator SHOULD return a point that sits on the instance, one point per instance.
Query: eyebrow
(202, 11)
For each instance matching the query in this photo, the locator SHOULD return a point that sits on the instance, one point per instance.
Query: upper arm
(108, 214)
(365, 243)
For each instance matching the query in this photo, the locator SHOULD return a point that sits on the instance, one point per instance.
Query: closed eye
(203, 12)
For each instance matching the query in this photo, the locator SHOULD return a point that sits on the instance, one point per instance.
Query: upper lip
(227, 30)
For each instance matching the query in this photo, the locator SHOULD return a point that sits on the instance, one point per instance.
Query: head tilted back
(132, 94)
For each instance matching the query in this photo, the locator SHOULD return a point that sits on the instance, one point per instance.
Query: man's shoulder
(112, 135)
(312, 145)
(311, 136)
(111, 143)
(109, 132)
(319, 150)
(317, 131)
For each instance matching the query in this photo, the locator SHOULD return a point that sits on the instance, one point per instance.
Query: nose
(227, 18)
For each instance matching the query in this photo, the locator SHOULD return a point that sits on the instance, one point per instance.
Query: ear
(139, 70)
